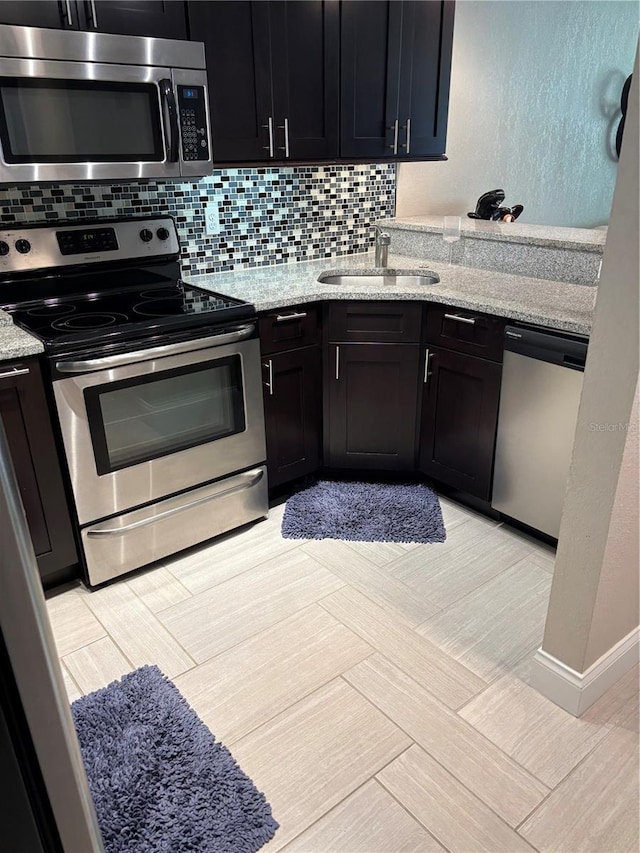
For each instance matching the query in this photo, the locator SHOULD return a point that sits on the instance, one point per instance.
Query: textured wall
(535, 96)
(267, 215)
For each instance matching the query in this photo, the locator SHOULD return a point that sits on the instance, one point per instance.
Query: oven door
(84, 121)
(169, 419)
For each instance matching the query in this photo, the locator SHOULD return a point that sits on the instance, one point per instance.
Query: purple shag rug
(364, 512)
(159, 780)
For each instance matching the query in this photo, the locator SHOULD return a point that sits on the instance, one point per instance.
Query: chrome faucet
(383, 241)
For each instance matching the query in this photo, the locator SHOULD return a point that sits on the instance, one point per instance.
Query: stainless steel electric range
(156, 383)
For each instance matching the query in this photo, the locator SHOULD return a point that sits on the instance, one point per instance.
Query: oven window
(139, 419)
(71, 121)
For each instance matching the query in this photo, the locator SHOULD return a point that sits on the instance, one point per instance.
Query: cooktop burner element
(93, 300)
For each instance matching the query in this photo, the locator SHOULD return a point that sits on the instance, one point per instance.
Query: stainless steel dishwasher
(540, 393)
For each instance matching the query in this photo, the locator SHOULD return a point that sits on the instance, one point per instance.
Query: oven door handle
(171, 120)
(248, 478)
(94, 364)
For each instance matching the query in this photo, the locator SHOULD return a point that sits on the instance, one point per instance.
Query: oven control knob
(163, 233)
(23, 246)
(146, 235)
(4, 248)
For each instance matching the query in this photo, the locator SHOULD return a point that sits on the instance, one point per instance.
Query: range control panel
(25, 248)
(192, 114)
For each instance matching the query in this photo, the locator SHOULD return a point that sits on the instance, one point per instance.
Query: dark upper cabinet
(137, 17)
(396, 65)
(459, 420)
(25, 416)
(123, 17)
(40, 13)
(273, 78)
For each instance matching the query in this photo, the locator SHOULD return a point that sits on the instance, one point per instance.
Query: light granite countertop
(568, 307)
(551, 236)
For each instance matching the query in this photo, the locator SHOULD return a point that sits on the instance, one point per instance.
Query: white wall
(594, 594)
(535, 94)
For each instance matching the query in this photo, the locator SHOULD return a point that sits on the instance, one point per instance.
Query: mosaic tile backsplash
(266, 215)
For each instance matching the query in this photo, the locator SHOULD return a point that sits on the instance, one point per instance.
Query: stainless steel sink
(380, 279)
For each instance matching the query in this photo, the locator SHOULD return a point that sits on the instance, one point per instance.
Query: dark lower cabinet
(459, 418)
(292, 389)
(371, 406)
(26, 420)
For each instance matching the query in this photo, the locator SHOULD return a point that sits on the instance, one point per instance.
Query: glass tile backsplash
(262, 215)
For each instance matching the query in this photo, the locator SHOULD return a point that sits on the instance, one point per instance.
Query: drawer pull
(337, 362)
(470, 320)
(282, 318)
(269, 384)
(17, 371)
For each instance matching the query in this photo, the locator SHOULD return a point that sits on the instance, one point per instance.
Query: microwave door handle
(170, 120)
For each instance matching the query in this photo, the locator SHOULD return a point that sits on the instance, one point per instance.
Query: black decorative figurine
(488, 207)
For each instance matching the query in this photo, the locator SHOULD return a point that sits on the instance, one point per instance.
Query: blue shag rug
(364, 512)
(158, 778)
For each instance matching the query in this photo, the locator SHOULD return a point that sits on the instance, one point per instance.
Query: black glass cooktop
(125, 314)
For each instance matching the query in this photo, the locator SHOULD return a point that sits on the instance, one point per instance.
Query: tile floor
(377, 693)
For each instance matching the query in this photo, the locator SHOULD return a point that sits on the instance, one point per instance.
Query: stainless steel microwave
(81, 107)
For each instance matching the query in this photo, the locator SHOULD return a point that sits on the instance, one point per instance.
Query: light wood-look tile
(494, 626)
(491, 775)
(378, 584)
(73, 691)
(393, 637)
(451, 813)
(137, 631)
(444, 577)
(595, 809)
(249, 684)
(73, 624)
(378, 553)
(220, 617)
(454, 514)
(618, 704)
(369, 821)
(158, 589)
(231, 554)
(534, 731)
(97, 665)
(316, 753)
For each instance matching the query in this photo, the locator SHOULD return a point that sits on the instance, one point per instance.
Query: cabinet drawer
(289, 328)
(466, 331)
(377, 322)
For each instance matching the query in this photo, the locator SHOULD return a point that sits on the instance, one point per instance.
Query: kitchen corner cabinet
(461, 392)
(26, 420)
(396, 68)
(371, 385)
(291, 365)
(153, 18)
(273, 72)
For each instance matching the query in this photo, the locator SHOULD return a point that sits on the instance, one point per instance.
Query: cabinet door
(306, 66)
(292, 413)
(137, 17)
(238, 55)
(25, 416)
(370, 63)
(425, 71)
(55, 14)
(371, 413)
(459, 417)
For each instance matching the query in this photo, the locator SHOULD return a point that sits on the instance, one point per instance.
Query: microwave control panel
(192, 113)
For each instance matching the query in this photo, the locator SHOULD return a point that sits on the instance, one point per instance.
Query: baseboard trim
(577, 691)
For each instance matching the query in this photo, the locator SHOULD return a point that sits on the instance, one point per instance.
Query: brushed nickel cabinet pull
(285, 127)
(337, 362)
(395, 127)
(407, 144)
(94, 14)
(17, 371)
(470, 320)
(269, 384)
(297, 315)
(269, 126)
(427, 372)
